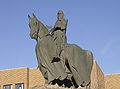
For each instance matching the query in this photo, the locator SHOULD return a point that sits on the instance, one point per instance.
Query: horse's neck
(43, 31)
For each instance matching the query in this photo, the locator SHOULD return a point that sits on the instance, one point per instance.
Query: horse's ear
(34, 15)
(29, 16)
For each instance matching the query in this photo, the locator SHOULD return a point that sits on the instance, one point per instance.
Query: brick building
(20, 78)
(28, 78)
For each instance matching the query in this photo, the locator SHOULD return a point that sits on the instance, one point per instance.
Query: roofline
(17, 68)
(112, 74)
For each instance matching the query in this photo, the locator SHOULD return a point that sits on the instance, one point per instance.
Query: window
(7, 86)
(19, 86)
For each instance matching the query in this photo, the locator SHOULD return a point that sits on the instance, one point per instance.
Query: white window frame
(7, 85)
(22, 85)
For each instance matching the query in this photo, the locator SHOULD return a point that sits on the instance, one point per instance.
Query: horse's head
(37, 28)
(34, 27)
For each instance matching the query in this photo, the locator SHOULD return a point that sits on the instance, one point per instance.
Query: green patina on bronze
(58, 60)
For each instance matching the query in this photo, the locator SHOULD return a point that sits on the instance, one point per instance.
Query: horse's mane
(42, 29)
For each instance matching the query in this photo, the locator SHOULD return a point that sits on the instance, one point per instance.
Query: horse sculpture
(75, 64)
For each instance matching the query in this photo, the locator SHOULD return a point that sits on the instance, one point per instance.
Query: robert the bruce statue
(59, 33)
(66, 65)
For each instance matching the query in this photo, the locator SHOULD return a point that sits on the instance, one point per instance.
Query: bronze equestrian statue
(59, 62)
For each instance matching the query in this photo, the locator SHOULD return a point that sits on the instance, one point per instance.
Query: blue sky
(92, 24)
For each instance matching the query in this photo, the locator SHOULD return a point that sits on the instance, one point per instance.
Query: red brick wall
(14, 76)
(35, 78)
(112, 81)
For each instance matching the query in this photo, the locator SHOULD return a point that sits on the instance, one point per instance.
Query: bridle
(39, 28)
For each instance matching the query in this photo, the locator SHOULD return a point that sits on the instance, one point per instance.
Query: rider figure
(59, 33)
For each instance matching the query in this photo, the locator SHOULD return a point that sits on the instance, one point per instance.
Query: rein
(44, 35)
(40, 28)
